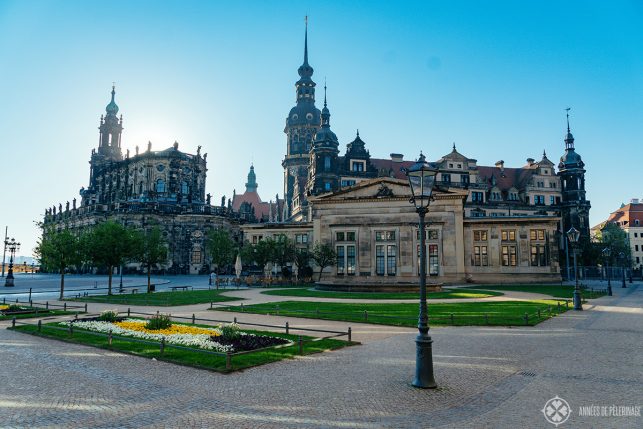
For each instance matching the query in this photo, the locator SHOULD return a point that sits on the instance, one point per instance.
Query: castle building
(152, 188)
(629, 217)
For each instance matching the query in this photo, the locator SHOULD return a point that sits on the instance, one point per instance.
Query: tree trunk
(109, 282)
(321, 270)
(149, 274)
(62, 283)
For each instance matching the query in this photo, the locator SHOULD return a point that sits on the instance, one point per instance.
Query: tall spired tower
(302, 123)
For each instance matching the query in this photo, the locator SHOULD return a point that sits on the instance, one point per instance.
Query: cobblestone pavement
(488, 377)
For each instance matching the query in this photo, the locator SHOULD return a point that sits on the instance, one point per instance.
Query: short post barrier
(549, 310)
(301, 345)
(486, 319)
(350, 332)
(566, 305)
(234, 320)
(277, 307)
(13, 322)
(85, 307)
(228, 361)
(526, 319)
(65, 307)
(365, 315)
(76, 316)
(47, 305)
(558, 307)
(109, 338)
(539, 314)
(193, 319)
(162, 345)
(71, 329)
(317, 312)
(39, 325)
(29, 294)
(242, 307)
(452, 319)
(128, 311)
(287, 328)
(211, 305)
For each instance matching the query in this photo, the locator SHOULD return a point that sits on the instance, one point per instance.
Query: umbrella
(238, 266)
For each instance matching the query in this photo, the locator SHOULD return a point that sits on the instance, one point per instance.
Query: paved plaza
(487, 376)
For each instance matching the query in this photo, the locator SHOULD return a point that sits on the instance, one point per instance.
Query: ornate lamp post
(421, 180)
(573, 235)
(620, 255)
(13, 246)
(606, 253)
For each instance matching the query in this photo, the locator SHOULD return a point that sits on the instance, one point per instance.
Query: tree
(324, 256)
(151, 249)
(58, 250)
(616, 239)
(110, 244)
(264, 251)
(221, 247)
(284, 251)
(302, 259)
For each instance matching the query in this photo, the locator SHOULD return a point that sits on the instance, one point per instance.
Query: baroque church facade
(149, 188)
(488, 223)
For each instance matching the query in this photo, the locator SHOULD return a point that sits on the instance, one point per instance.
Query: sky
(494, 77)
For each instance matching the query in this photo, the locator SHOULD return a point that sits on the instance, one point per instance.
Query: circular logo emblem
(557, 411)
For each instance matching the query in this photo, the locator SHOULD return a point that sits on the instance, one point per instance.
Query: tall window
(464, 178)
(476, 197)
(196, 256)
(184, 188)
(446, 178)
(357, 166)
(538, 248)
(160, 186)
(539, 199)
(480, 249)
(508, 256)
(508, 235)
(385, 253)
(432, 252)
(346, 255)
(327, 163)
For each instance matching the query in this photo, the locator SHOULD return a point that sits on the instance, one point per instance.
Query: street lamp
(421, 180)
(13, 246)
(573, 235)
(620, 255)
(607, 252)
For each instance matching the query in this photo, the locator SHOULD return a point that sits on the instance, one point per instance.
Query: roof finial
(454, 146)
(568, 109)
(324, 91)
(544, 154)
(306, 42)
(358, 132)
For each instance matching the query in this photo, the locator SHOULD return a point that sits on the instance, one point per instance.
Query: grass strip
(162, 299)
(451, 294)
(499, 313)
(556, 291)
(41, 313)
(188, 357)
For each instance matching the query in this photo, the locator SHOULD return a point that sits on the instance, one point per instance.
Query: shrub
(159, 321)
(15, 307)
(230, 331)
(108, 316)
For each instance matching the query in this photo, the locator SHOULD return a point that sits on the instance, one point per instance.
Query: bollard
(228, 361)
(365, 315)
(109, 338)
(76, 316)
(452, 319)
(13, 322)
(157, 313)
(71, 329)
(30, 294)
(85, 307)
(277, 307)
(301, 345)
(287, 328)
(162, 345)
(235, 320)
(526, 319)
(486, 319)
(211, 305)
(128, 311)
(549, 310)
(65, 306)
(39, 325)
(47, 305)
(558, 307)
(193, 319)
(350, 332)
(539, 314)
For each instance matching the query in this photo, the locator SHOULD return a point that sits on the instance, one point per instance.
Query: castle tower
(574, 206)
(301, 125)
(111, 128)
(323, 168)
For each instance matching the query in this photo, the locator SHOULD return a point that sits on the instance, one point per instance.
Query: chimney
(530, 161)
(501, 165)
(634, 201)
(397, 157)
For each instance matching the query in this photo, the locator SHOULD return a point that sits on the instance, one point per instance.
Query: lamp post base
(424, 363)
(578, 304)
(609, 290)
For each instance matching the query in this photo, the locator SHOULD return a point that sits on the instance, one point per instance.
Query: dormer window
(358, 166)
(450, 165)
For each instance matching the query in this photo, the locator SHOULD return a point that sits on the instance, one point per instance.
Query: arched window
(160, 186)
(184, 188)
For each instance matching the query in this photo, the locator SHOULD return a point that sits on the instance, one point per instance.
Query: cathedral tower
(301, 125)
(111, 128)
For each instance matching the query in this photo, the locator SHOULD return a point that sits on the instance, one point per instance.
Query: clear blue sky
(492, 76)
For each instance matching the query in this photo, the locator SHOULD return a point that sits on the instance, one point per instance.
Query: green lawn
(451, 294)
(187, 357)
(503, 313)
(41, 313)
(162, 298)
(557, 291)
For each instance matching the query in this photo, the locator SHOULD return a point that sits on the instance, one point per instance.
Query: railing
(227, 355)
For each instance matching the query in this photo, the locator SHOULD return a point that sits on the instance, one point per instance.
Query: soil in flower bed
(249, 342)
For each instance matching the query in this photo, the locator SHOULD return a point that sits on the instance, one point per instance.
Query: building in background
(629, 217)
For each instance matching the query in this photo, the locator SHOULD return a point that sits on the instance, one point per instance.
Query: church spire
(569, 138)
(306, 42)
(251, 185)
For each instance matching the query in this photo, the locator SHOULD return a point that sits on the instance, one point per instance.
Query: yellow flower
(135, 325)
(3, 307)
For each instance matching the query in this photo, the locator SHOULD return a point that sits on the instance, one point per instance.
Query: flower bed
(183, 335)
